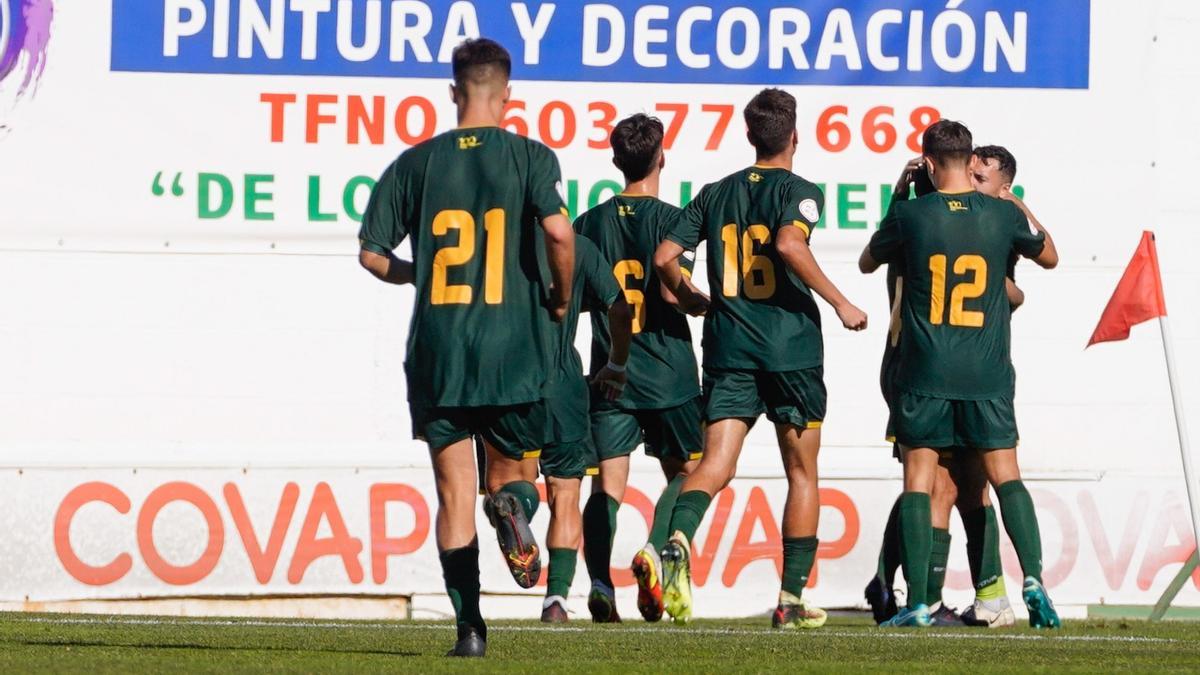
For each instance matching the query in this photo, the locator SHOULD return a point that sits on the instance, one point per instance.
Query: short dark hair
(636, 143)
(771, 121)
(1004, 158)
(947, 142)
(479, 61)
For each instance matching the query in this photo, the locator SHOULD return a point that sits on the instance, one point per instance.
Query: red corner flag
(1138, 298)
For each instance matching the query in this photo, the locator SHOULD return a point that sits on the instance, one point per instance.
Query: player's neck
(781, 161)
(646, 187)
(954, 182)
(473, 115)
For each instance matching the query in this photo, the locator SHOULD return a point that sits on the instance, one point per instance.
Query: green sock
(460, 569)
(939, 553)
(1020, 521)
(889, 551)
(526, 494)
(983, 550)
(916, 540)
(599, 528)
(660, 530)
(689, 511)
(798, 556)
(562, 571)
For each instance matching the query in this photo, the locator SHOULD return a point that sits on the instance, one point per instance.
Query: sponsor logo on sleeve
(808, 209)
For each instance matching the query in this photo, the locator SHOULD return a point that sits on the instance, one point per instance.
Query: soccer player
(482, 336)
(660, 406)
(991, 606)
(955, 378)
(762, 344)
(566, 460)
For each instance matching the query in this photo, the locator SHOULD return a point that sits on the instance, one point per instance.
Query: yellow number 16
(754, 286)
(962, 292)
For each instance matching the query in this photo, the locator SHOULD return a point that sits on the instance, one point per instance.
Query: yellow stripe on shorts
(695, 455)
(813, 424)
(592, 471)
(532, 454)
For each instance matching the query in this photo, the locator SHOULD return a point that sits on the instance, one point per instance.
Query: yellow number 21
(967, 290)
(442, 293)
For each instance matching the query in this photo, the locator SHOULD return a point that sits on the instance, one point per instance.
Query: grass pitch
(74, 643)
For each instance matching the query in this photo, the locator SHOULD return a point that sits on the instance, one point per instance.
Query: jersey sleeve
(383, 225)
(1027, 241)
(885, 243)
(600, 286)
(803, 205)
(687, 228)
(545, 182)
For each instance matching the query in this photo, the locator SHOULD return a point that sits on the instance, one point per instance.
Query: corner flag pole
(1185, 451)
(1139, 297)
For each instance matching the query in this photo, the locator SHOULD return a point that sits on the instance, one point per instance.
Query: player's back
(762, 316)
(662, 363)
(955, 309)
(480, 333)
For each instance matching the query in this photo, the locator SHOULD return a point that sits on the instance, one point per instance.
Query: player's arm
(612, 377)
(560, 251)
(792, 245)
(907, 178)
(600, 290)
(866, 262)
(1048, 258)
(383, 228)
(386, 266)
(687, 264)
(687, 297)
(675, 239)
(883, 243)
(1016, 296)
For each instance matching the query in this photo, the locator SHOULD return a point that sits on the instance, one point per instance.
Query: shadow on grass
(200, 646)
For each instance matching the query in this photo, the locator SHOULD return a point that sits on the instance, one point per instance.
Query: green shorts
(573, 459)
(929, 422)
(668, 433)
(795, 397)
(518, 431)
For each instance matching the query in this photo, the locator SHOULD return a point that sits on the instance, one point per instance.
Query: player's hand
(610, 383)
(909, 175)
(852, 317)
(692, 302)
(558, 306)
(1006, 194)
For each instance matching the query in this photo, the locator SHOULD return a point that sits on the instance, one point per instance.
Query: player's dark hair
(771, 121)
(1004, 158)
(636, 143)
(947, 142)
(480, 61)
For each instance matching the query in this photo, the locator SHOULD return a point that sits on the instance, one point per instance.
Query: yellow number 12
(967, 290)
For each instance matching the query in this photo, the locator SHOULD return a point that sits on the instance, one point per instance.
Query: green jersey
(662, 362)
(762, 316)
(566, 392)
(953, 250)
(594, 290)
(470, 200)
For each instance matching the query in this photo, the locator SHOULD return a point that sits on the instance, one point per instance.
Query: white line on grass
(401, 625)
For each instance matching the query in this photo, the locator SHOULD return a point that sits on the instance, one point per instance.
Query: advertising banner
(203, 395)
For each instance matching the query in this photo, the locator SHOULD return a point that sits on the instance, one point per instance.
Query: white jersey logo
(808, 209)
